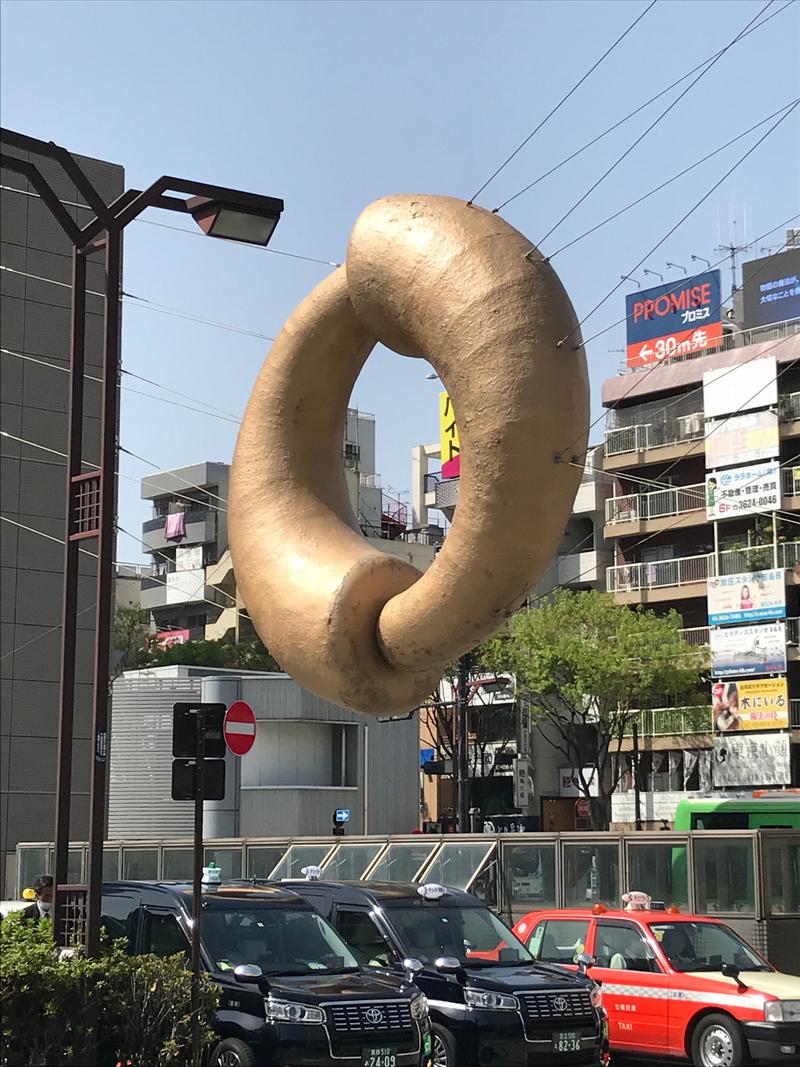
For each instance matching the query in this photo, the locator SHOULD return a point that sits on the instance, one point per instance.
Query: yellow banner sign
(750, 704)
(448, 434)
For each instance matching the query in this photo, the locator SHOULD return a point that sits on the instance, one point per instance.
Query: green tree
(132, 639)
(584, 664)
(249, 655)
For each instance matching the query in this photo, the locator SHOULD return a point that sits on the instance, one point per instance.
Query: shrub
(72, 1010)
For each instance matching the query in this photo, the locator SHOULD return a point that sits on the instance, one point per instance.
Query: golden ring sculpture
(426, 276)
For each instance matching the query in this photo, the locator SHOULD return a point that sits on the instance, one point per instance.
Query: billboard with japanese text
(742, 491)
(771, 288)
(746, 597)
(673, 319)
(741, 439)
(751, 760)
(750, 704)
(748, 650)
(448, 434)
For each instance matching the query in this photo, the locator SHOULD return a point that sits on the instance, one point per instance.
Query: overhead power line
(562, 101)
(636, 110)
(652, 126)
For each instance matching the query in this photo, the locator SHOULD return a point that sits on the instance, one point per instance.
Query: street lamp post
(91, 498)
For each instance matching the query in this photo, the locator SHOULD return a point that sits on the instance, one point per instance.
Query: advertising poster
(754, 704)
(570, 783)
(673, 319)
(743, 491)
(748, 650)
(167, 638)
(755, 760)
(746, 387)
(772, 289)
(448, 435)
(746, 597)
(741, 439)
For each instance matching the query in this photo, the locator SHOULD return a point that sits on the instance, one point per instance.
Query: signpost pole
(197, 874)
(462, 742)
(637, 794)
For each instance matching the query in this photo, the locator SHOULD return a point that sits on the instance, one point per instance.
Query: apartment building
(704, 449)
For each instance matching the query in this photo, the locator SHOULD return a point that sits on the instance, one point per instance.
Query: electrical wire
(563, 100)
(632, 114)
(653, 124)
(688, 213)
(182, 229)
(669, 181)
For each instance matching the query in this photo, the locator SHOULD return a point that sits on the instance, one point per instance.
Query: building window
(312, 754)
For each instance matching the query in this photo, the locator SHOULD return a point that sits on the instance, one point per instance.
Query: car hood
(772, 983)
(523, 978)
(361, 985)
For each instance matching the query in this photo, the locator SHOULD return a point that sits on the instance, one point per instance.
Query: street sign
(184, 730)
(521, 782)
(213, 779)
(582, 808)
(341, 815)
(239, 728)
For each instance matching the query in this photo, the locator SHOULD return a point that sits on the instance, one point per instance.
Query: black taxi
(490, 1002)
(292, 992)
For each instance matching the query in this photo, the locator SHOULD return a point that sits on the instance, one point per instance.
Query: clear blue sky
(330, 105)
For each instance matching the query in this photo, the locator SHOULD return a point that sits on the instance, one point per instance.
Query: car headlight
(596, 995)
(289, 1011)
(477, 998)
(782, 1011)
(419, 1007)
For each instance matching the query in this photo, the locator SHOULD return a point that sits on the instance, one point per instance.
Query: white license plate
(568, 1041)
(381, 1056)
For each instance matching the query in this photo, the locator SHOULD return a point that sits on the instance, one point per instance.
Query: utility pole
(637, 792)
(462, 743)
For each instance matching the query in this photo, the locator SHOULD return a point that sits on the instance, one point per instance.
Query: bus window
(718, 820)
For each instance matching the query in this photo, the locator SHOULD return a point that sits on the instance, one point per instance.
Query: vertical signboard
(674, 319)
(746, 597)
(742, 491)
(448, 433)
(750, 704)
(747, 650)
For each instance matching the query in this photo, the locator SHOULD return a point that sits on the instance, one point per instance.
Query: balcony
(791, 487)
(674, 431)
(683, 575)
(177, 587)
(641, 511)
(201, 528)
(671, 722)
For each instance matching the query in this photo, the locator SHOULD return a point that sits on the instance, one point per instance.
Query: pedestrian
(42, 907)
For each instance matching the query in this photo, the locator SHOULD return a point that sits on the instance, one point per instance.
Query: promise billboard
(674, 319)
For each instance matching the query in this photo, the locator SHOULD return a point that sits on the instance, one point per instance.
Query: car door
(162, 935)
(370, 946)
(635, 988)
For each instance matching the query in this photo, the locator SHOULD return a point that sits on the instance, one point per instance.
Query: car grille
(371, 1017)
(557, 1005)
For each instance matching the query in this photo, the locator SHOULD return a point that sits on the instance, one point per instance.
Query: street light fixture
(655, 274)
(676, 266)
(91, 498)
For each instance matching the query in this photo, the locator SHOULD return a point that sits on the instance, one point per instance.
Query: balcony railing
(658, 505)
(791, 480)
(686, 570)
(674, 430)
(660, 722)
(794, 714)
(732, 340)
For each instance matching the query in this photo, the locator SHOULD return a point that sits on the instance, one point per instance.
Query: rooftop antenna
(732, 250)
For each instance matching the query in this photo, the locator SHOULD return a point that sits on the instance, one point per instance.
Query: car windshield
(474, 936)
(700, 946)
(278, 940)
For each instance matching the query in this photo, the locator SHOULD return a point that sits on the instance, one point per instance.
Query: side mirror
(448, 965)
(730, 970)
(411, 968)
(585, 961)
(248, 972)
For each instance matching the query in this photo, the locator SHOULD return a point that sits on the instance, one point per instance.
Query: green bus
(766, 812)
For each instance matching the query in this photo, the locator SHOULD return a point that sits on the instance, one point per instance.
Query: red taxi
(673, 984)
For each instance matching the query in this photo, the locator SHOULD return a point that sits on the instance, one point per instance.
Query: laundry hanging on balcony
(175, 526)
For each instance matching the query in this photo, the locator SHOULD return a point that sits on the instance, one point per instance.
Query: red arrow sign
(239, 728)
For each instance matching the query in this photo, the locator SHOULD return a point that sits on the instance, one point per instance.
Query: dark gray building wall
(34, 321)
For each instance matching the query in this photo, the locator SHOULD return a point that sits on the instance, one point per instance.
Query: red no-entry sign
(239, 728)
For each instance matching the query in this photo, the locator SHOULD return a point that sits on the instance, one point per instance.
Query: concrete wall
(34, 321)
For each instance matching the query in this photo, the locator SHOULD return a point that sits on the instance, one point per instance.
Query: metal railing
(686, 570)
(660, 504)
(794, 713)
(791, 481)
(740, 339)
(698, 635)
(674, 430)
(662, 722)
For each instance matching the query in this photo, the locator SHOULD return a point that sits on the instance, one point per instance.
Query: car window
(163, 935)
(704, 946)
(560, 940)
(366, 942)
(622, 948)
(119, 917)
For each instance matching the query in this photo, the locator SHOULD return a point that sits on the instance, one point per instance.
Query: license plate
(380, 1056)
(567, 1042)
